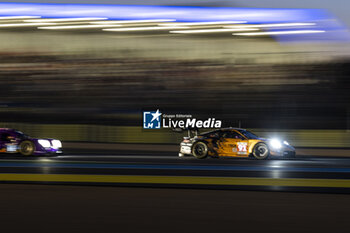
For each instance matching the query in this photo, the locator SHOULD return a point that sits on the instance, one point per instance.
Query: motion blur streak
(214, 30)
(63, 20)
(273, 25)
(143, 28)
(135, 21)
(278, 33)
(90, 77)
(323, 183)
(18, 17)
(165, 169)
(203, 23)
(25, 24)
(86, 85)
(78, 27)
(191, 15)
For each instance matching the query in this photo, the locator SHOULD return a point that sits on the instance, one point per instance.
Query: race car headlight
(275, 144)
(56, 144)
(44, 143)
(285, 143)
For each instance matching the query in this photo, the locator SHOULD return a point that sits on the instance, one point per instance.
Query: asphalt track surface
(167, 170)
(160, 192)
(60, 208)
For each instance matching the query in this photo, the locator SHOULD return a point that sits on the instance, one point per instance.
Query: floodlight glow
(78, 27)
(142, 29)
(214, 30)
(268, 18)
(134, 21)
(272, 25)
(201, 23)
(25, 24)
(63, 20)
(18, 17)
(278, 33)
(180, 13)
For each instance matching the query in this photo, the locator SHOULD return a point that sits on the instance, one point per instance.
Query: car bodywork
(235, 142)
(11, 141)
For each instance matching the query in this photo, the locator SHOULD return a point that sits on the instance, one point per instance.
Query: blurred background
(277, 71)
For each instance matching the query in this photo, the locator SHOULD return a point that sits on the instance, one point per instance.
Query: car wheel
(27, 148)
(200, 150)
(261, 151)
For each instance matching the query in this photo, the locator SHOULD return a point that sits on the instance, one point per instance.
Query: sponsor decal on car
(242, 147)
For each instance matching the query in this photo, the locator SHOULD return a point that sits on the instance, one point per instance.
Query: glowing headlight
(276, 144)
(44, 143)
(285, 143)
(56, 143)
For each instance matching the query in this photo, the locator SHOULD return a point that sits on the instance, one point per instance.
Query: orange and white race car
(234, 142)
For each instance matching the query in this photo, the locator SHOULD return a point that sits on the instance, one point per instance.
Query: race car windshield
(248, 134)
(21, 135)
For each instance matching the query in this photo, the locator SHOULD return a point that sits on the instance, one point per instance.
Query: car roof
(222, 129)
(232, 128)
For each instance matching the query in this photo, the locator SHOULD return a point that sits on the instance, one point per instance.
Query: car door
(233, 143)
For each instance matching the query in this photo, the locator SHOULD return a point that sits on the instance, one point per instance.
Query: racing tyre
(200, 150)
(27, 148)
(261, 151)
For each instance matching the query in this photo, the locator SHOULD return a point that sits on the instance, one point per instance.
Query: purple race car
(13, 141)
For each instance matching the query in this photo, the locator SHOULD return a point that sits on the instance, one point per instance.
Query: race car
(13, 141)
(234, 142)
